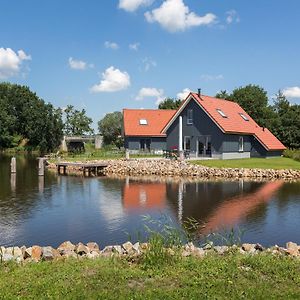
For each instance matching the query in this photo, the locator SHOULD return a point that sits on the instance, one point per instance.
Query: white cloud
(10, 62)
(208, 77)
(133, 5)
(112, 80)
(111, 45)
(292, 92)
(134, 46)
(232, 17)
(151, 93)
(183, 94)
(78, 64)
(174, 15)
(148, 63)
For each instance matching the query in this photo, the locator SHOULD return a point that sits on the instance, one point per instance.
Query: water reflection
(37, 210)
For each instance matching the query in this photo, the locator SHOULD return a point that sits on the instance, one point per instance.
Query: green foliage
(223, 95)
(231, 276)
(24, 115)
(170, 103)
(111, 128)
(77, 123)
(292, 153)
(228, 237)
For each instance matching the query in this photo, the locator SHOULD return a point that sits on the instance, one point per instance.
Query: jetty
(88, 168)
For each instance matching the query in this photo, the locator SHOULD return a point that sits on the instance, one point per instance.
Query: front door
(204, 146)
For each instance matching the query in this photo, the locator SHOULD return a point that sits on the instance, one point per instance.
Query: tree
(77, 122)
(223, 95)
(24, 116)
(170, 103)
(111, 128)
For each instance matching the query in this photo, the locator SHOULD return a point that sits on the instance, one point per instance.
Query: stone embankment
(128, 250)
(164, 167)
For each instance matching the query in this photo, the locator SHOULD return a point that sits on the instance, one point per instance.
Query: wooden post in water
(13, 165)
(41, 167)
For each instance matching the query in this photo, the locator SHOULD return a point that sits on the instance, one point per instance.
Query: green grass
(232, 276)
(259, 163)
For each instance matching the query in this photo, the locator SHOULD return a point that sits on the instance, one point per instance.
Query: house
(204, 126)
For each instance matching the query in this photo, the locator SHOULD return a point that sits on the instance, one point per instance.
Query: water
(108, 211)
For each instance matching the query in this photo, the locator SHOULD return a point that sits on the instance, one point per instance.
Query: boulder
(248, 247)
(117, 249)
(47, 253)
(81, 249)
(93, 254)
(66, 247)
(27, 253)
(128, 247)
(7, 257)
(93, 246)
(36, 253)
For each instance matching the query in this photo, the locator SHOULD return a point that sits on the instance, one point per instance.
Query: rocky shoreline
(133, 251)
(164, 167)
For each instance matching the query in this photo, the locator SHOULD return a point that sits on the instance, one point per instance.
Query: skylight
(143, 122)
(244, 117)
(220, 111)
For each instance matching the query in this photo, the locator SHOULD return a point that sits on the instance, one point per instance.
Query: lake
(50, 210)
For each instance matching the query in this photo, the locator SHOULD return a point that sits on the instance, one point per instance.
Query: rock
(66, 247)
(249, 247)
(292, 249)
(36, 253)
(128, 247)
(186, 253)
(117, 249)
(136, 248)
(93, 254)
(107, 251)
(68, 254)
(7, 257)
(259, 247)
(81, 249)
(93, 246)
(198, 252)
(221, 249)
(47, 253)
(27, 253)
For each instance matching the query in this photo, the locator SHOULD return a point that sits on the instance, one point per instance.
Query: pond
(50, 210)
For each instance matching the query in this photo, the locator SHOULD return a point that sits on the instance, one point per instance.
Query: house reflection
(219, 205)
(140, 196)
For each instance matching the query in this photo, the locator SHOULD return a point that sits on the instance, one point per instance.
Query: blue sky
(112, 54)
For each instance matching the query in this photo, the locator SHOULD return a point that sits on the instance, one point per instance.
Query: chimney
(199, 93)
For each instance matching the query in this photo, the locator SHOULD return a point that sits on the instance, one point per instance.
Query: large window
(187, 143)
(190, 116)
(241, 144)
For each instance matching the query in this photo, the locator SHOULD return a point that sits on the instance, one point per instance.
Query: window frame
(143, 122)
(189, 117)
(221, 113)
(184, 142)
(241, 144)
(244, 117)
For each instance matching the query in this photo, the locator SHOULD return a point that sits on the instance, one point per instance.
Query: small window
(241, 144)
(244, 117)
(143, 122)
(187, 143)
(220, 111)
(189, 117)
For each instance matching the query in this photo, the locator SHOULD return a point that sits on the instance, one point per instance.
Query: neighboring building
(204, 126)
(142, 129)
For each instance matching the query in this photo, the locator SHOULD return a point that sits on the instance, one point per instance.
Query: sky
(107, 55)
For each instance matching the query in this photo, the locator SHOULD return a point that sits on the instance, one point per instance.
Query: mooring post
(13, 165)
(127, 154)
(41, 167)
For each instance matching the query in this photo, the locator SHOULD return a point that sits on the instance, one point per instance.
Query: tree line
(281, 117)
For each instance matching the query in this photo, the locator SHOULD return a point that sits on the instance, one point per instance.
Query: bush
(292, 153)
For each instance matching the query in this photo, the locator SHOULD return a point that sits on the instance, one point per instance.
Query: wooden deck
(87, 168)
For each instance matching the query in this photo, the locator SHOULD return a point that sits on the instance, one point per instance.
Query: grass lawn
(259, 163)
(232, 276)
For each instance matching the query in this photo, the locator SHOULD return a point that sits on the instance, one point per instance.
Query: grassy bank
(259, 163)
(232, 276)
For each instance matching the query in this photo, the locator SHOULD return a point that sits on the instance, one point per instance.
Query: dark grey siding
(133, 143)
(202, 126)
(257, 150)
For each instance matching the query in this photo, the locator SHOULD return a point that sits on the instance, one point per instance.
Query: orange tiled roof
(156, 120)
(234, 123)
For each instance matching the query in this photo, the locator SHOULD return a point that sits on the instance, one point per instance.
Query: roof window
(244, 117)
(143, 122)
(220, 111)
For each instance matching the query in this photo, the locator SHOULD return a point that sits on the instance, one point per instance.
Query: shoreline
(183, 169)
(92, 250)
